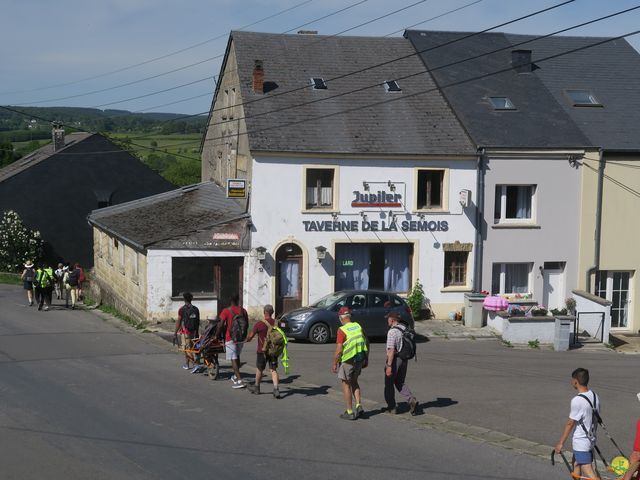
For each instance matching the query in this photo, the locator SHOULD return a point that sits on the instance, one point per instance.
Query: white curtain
(396, 268)
(516, 278)
(523, 202)
(312, 196)
(326, 196)
(352, 266)
(289, 275)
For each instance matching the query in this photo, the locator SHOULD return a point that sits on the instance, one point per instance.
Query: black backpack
(408, 345)
(190, 318)
(73, 278)
(239, 326)
(29, 275)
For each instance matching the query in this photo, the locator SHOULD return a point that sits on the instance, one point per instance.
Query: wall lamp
(261, 253)
(365, 186)
(321, 253)
(391, 185)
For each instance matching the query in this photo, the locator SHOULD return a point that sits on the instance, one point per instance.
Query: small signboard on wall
(236, 188)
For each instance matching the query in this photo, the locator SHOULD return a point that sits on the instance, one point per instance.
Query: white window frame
(445, 190)
(503, 276)
(335, 187)
(503, 205)
(609, 294)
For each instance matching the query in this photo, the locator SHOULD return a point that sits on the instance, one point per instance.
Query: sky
(78, 52)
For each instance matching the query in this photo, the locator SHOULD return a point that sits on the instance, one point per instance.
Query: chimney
(57, 135)
(258, 77)
(307, 32)
(521, 61)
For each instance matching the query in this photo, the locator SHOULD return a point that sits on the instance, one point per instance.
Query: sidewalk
(452, 330)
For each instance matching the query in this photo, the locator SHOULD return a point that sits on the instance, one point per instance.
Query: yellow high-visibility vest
(354, 343)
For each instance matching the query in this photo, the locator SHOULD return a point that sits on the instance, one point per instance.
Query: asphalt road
(81, 398)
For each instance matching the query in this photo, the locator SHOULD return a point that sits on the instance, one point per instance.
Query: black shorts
(262, 359)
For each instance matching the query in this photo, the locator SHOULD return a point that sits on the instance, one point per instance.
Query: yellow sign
(236, 188)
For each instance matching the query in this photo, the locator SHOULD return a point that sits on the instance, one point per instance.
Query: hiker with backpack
(71, 280)
(271, 344)
(234, 321)
(27, 277)
(58, 275)
(187, 328)
(583, 421)
(401, 347)
(44, 286)
(350, 357)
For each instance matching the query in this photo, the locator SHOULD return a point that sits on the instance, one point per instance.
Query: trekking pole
(604, 427)
(568, 465)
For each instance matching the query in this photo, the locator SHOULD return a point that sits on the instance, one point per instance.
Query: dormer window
(391, 86)
(502, 103)
(318, 83)
(582, 98)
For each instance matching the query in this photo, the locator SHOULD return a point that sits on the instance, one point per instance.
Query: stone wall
(119, 276)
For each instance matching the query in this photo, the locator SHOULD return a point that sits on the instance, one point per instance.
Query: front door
(288, 278)
(553, 287)
(228, 280)
(615, 287)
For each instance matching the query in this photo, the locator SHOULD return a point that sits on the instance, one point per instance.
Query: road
(83, 398)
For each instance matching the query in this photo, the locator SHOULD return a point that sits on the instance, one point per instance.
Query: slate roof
(152, 220)
(418, 125)
(40, 155)
(539, 120)
(610, 71)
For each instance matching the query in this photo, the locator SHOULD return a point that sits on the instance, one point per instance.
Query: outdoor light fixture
(262, 254)
(363, 215)
(365, 186)
(321, 253)
(334, 215)
(289, 248)
(391, 185)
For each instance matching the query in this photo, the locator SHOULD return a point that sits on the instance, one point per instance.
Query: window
(318, 83)
(514, 203)
(392, 86)
(232, 102)
(373, 266)
(455, 268)
(582, 98)
(121, 253)
(431, 186)
(615, 287)
(319, 185)
(379, 300)
(110, 243)
(135, 274)
(510, 278)
(502, 103)
(193, 274)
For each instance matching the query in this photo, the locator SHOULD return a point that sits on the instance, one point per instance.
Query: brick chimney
(521, 61)
(258, 77)
(57, 135)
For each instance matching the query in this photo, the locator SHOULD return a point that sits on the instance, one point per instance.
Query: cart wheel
(213, 370)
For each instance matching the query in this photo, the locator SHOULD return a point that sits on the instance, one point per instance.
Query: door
(615, 287)
(288, 278)
(553, 286)
(227, 280)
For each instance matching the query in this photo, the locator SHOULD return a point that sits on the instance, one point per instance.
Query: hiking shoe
(234, 378)
(186, 367)
(31, 304)
(238, 384)
(391, 410)
(196, 369)
(46, 309)
(413, 406)
(359, 411)
(347, 416)
(276, 393)
(255, 389)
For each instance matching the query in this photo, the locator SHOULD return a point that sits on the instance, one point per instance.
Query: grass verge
(10, 278)
(138, 325)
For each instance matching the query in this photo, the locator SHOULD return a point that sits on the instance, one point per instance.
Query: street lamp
(261, 254)
(321, 253)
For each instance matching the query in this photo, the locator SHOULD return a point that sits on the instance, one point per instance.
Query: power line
(626, 188)
(434, 18)
(326, 16)
(161, 57)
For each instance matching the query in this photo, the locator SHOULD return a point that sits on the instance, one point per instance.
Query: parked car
(319, 322)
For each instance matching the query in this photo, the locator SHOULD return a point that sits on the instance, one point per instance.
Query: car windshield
(327, 301)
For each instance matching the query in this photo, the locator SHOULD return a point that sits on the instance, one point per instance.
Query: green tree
(415, 299)
(18, 243)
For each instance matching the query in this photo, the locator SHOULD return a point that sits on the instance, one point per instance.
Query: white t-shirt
(581, 410)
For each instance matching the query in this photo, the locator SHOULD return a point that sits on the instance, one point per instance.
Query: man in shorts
(187, 328)
(233, 349)
(260, 330)
(349, 359)
(581, 422)
(28, 276)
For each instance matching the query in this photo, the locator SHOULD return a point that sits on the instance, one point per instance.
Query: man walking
(235, 321)
(187, 326)
(261, 329)
(349, 359)
(583, 423)
(44, 286)
(395, 369)
(71, 280)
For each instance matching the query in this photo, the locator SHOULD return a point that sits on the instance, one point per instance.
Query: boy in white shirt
(583, 425)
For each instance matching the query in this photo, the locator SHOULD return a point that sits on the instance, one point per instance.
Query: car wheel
(319, 333)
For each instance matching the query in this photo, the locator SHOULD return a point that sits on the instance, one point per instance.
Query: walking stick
(568, 465)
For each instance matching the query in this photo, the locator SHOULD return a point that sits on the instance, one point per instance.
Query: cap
(344, 311)
(394, 315)
(28, 264)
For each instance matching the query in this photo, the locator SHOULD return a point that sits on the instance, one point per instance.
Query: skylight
(318, 83)
(392, 86)
(502, 103)
(582, 98)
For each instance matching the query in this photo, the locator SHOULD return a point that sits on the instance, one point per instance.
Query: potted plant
(415, 300)
(570, 303)
(539, 311)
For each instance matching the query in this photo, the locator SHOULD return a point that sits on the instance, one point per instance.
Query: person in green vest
(350, 358)
(44, 285)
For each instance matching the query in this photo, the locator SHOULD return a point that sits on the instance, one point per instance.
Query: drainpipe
(477, 267)
(598, 232)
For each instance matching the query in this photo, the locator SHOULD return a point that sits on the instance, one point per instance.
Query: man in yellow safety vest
(349, 359)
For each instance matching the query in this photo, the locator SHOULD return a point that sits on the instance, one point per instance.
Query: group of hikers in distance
(351, 356)
(41, 280)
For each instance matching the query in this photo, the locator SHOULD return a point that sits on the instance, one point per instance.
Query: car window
(379, 300)
(397, 301)
(357, 301)
(343, 302)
